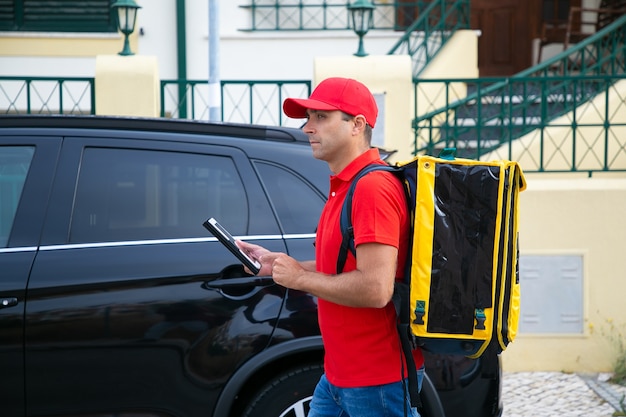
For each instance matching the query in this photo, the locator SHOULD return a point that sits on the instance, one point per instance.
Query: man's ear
(360, 122)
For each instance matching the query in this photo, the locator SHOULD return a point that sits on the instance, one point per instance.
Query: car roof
(253, 139)
(274, 133)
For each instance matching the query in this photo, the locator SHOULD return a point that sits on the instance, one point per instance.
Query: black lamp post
(362, 12)
(126, 16)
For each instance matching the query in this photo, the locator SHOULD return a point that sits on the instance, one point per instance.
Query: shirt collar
(370, 156)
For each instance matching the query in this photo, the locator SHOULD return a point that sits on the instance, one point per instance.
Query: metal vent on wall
(551, 294)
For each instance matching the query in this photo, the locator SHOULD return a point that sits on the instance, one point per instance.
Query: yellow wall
(576, 216)
(458, 58)
(572, 214)
(63, 45)
(127, 86)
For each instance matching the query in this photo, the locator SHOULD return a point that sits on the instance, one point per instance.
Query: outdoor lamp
(362, 12)
(126, 15)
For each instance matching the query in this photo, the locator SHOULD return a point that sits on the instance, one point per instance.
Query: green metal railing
(436, 23)
(328, 15)
(551, 131)
(47, 95)
(485, 115)
(258, 101)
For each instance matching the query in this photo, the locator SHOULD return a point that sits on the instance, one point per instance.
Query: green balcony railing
(257, 102)
(478, 116)
(47, 95)
(436, 23)
(328, 14)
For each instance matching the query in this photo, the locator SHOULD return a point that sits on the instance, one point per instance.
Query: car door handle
(8, 302)
(226, 283)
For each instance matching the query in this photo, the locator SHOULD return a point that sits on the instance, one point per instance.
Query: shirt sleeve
(379, 210)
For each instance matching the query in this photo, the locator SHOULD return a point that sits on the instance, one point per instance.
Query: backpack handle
(449, 154)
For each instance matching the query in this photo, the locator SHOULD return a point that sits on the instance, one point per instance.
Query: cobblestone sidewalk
(548, 394)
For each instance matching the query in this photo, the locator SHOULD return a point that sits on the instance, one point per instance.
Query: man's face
(330, 134)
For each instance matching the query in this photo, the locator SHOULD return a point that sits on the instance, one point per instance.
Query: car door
(298, 204)
(26, 168)
(133, 306)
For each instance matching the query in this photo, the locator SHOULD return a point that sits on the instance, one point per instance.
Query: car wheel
(287, 395)
(431, 404)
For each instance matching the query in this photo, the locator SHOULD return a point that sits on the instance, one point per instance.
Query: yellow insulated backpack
(461, 292)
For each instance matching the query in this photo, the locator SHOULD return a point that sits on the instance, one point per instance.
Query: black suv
(115, 301)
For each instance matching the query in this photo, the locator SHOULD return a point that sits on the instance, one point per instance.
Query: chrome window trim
(151, 242)
(19, 249)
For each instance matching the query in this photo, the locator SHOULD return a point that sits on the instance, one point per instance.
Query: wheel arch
(261, 367)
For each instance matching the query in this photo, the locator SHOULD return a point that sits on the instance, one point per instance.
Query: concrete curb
(611, 393)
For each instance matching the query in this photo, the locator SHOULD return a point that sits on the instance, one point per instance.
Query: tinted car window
(125, 194)
(14, 164)
(297, 204)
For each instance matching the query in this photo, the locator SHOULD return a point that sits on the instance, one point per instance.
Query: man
(363, 362)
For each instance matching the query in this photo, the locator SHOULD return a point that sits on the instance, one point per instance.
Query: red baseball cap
(345, 94)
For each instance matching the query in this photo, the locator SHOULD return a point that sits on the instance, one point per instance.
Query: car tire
(431, 404)
(287, 395)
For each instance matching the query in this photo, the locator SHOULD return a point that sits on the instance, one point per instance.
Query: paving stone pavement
(548, 394)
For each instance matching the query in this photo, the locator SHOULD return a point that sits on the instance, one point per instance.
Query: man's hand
(286, 271)
(264, 256)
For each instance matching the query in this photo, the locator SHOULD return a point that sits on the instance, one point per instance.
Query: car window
(296, 203)
(14, 165)
(126, 194)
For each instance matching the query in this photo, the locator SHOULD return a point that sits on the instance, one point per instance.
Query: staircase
(498, 111)
(436, 23)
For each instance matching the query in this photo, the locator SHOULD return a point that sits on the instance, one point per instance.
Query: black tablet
(229, 241)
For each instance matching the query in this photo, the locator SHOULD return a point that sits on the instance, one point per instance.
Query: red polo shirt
(362, 345)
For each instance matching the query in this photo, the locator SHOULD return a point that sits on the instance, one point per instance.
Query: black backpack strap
(401, 303)
(345, 220)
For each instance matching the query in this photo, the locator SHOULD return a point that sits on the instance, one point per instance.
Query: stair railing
(431, 30)
(499, 110)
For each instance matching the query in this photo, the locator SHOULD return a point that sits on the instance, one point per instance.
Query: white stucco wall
(243, 55)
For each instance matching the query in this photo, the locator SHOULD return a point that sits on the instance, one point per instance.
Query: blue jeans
(387, 400)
